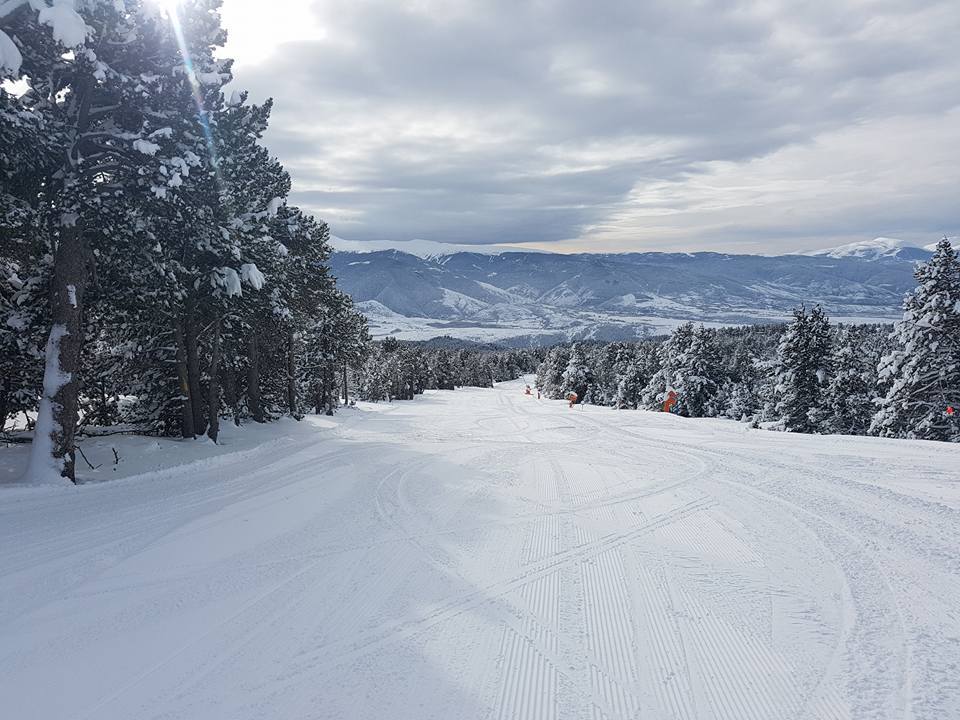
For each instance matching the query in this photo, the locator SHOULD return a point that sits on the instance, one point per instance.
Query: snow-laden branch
(65, 23)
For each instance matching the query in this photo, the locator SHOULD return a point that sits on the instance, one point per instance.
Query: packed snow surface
(483, 554)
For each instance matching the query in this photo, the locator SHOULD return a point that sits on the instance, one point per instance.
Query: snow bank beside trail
(153, 458)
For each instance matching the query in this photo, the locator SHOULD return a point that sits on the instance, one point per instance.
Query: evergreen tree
(922, 373)
(698, 375)
(631, 379)
(577, 376)
(666, 377)
(550, 380)
(610, 360)
(24, 259)
(743, 391)
(442, 370)
(802, 370)
(848, 399)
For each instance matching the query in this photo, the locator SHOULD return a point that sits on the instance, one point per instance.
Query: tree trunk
(253, 379)
(193, 370)
(346, 393)
(231, 393)
(291, 374)
(4, 403)
(213, 389)
(187, 430)
(331, 395)
(52, 452)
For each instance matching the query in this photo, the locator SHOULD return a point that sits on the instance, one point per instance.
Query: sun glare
(169, 7)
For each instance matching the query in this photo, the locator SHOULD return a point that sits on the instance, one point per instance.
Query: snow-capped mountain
(522, 297)
(877, 249)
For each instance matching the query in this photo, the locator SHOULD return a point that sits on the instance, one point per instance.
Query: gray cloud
(620, 125)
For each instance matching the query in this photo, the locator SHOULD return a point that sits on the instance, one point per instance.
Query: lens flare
(171, 8)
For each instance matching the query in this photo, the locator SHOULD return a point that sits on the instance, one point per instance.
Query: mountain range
(520, 298)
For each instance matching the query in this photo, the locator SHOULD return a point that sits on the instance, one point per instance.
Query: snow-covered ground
(481, 554)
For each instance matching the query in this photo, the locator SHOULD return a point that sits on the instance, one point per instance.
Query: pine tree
(609, 360)
(665, 378)
(802, 370)
(25, 158)
(922, 373)
(550, 372)
(577, 376)
(698, 375)
(848, 399)
(631, 380)
(743, 391)
(442, 370)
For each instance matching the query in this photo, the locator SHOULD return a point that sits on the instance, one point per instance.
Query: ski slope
(480, 554)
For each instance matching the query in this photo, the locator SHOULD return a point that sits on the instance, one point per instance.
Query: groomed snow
(482, 554)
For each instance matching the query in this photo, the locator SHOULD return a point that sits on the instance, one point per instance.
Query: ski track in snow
(482, 554)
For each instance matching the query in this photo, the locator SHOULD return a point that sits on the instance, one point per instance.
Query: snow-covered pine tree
(167, 304)
(274, 275)
(337, 341)
(922, 373)
(848, 402)
(25, 157)
(441, 368)
(373, 380)
(550, 372)
(507, 364)
(803, 359)
(741, 396)
(628, 380)
(578, 375)
(301, 298)
(631, 380)
(665, 378)
(609, 359)
(699, 375)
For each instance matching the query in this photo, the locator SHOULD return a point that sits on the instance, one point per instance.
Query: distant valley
(523, 298)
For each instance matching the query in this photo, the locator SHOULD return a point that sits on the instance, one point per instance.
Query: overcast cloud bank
(612, 126)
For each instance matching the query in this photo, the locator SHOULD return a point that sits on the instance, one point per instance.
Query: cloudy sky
(613, 125)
